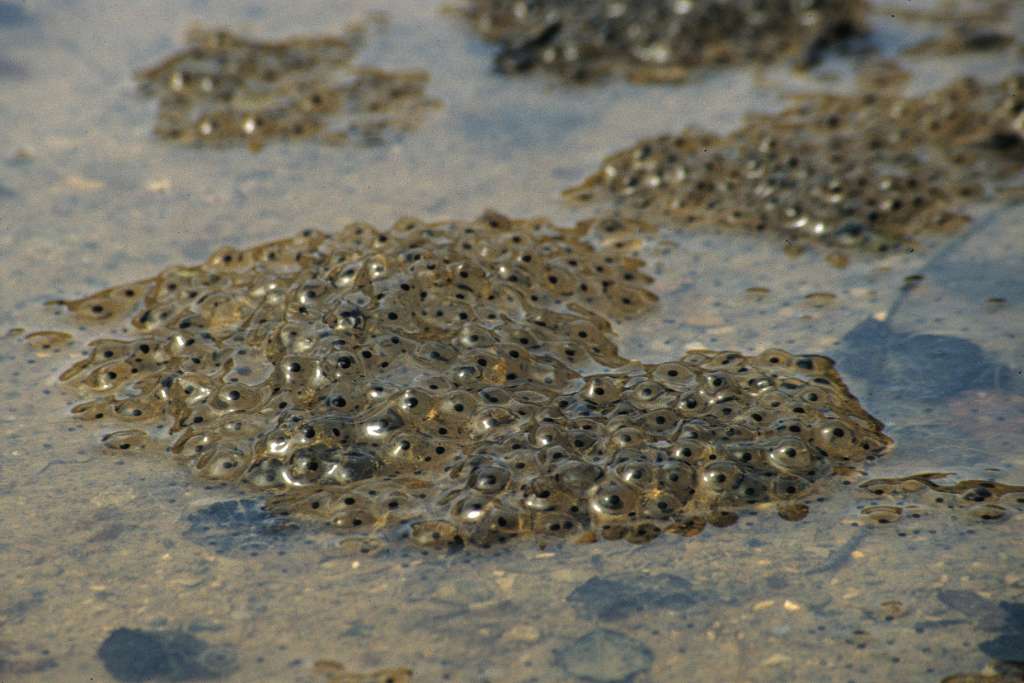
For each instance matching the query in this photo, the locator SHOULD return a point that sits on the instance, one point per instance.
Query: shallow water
(94, 543)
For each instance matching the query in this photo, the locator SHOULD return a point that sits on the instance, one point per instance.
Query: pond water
(127, 567)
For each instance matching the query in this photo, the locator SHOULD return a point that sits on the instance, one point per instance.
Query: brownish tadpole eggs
(457, 383)
(226, 89)
(659, 40)
(847, 173)
(915, 496)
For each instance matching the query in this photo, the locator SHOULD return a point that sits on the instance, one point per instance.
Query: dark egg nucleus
(869, 172)
(659, 40)
(458, 383)
(226, 89)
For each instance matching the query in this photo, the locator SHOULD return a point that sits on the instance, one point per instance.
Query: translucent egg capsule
(634, 471)
(582, 441)
(882, 514)
(541, 494)
(646, 393)
(776, 358)
(611, 499)
(224, 463)
(470, 507)
(793, 455)
(489, 422)
(307, 465)
(675, 376)
(109, 350)
(717, 387)
(152, 318)
(497, 525)
(602, 389)
(751, 452)
(395, 506)
(751, 490)
(624, 437)
(381, 426)
(353, 518)
(126, 440)
(576, 477)
(293, 339)
(988, 512)
(409, 447)
(300, 371)
(110, 303)
(236, 397)
(691, 404)
(108, 377)
(488, 478)
(661, 422)
(660, 506)
(834, 434)
(222, 314)
(721, 477)
(137, 409)
(549, 434)
(789, 487)
(474, 335)
(267, 474)
(690, 450)
(676, 479)
(555, 523)
(415, 405)
(434, 533)
(626, 300)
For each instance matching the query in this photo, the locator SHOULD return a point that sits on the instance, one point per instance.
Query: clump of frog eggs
(457, 383)
(848, 172)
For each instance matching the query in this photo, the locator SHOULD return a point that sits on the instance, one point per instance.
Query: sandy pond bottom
(103, 555)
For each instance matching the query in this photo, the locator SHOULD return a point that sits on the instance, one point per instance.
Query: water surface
(96, 543)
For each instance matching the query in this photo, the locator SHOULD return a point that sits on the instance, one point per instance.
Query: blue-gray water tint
(13, 14)
(238, 527)
(618, 596)
(605, 656)
(134, 655)
(1006, 648)
(928, 368)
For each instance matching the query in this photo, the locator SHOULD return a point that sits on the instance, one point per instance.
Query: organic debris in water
(226, 89)
(330, 671)
(659, 40)
(458, 383)
(871, 172)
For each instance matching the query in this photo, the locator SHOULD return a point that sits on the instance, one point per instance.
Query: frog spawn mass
(869, 172)
(458, 383)
(225, 89)
(663, 40)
